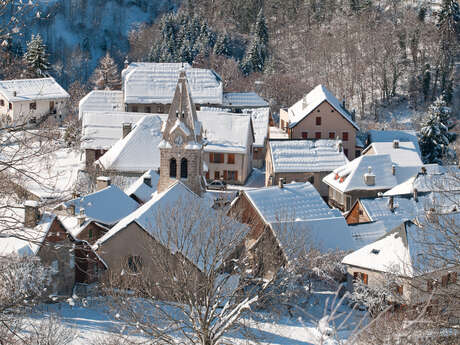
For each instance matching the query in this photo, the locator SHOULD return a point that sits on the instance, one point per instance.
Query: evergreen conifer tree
(257, 51)
(36, 58)
(106, 76)
(434, 136)
(222, 46)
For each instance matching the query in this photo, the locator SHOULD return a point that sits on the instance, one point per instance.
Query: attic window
(375, 251)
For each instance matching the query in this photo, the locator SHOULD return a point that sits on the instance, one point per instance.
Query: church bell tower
(181, 147)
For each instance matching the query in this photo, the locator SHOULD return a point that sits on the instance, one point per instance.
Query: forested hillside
(374, 54)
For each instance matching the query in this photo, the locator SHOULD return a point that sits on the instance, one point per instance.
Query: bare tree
(190, 299)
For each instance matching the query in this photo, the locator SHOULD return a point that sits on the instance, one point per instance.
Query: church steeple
(181, 148)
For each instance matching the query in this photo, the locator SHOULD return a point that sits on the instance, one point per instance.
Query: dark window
(360, 276)
(331, 135)
(318, 135)
(318, 121)
(2, 102)
(216, 157)
(345, 136)
(33, 106)
(172, 167)
(10, 106)
(304, 135)
(232, 175)
(135, 263)
(216, 175)
(183, 168)
(148, 109)
(231, 158)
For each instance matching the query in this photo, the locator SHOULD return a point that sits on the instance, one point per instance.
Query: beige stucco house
(319, 115)
(229, 146)
(302, 161)
(25, 99)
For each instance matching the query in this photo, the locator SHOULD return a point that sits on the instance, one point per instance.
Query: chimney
(415, 194)
(15, 93)
(81, 219)
(126, 62)
(31, 214)
(396, 144)
(393, 170)
(369, 177)
(281, 182)
(148, 180)
(353, 115)
(71, 210)
(391, 204)
(339, 146)
(126, 128)
(102, 182)
(343, 102)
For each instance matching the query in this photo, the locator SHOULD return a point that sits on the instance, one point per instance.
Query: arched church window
(183, 168)
(172, 167)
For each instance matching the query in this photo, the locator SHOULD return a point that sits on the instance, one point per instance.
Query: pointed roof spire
(183, 110)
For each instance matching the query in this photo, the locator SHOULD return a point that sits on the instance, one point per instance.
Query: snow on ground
(94, 321)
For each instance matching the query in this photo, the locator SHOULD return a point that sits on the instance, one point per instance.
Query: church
(141, 242)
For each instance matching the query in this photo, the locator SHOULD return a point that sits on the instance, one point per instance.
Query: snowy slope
(92, 26)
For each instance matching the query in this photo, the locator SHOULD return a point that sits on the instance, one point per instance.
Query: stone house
(283, 221)
(302, 161)
(46, 237)
(319, 115)
(29, 99)
(400, 262)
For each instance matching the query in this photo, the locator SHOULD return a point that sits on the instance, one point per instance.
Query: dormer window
(375, 251)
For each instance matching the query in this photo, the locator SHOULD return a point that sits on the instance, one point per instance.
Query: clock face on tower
(178, 140)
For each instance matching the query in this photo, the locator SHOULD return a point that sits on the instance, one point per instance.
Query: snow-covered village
(214, 172)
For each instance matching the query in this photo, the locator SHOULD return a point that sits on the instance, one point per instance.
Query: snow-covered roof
(146, 83)
(376, 136)
(106, 206)
(32, 89)
(26, 241)
(101, 100)
(243, 100)
(351, 175)
(260, 121)
(101, 130)
(298, 211)
(138, 151)
(277, 133)
(435, 178)
(404, 251)
(405, 154)
(226, 132)
(140, 189)
(383, 219)
(306, 155)
(313, 99)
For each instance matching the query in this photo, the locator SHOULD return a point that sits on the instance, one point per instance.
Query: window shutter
(365, 278)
